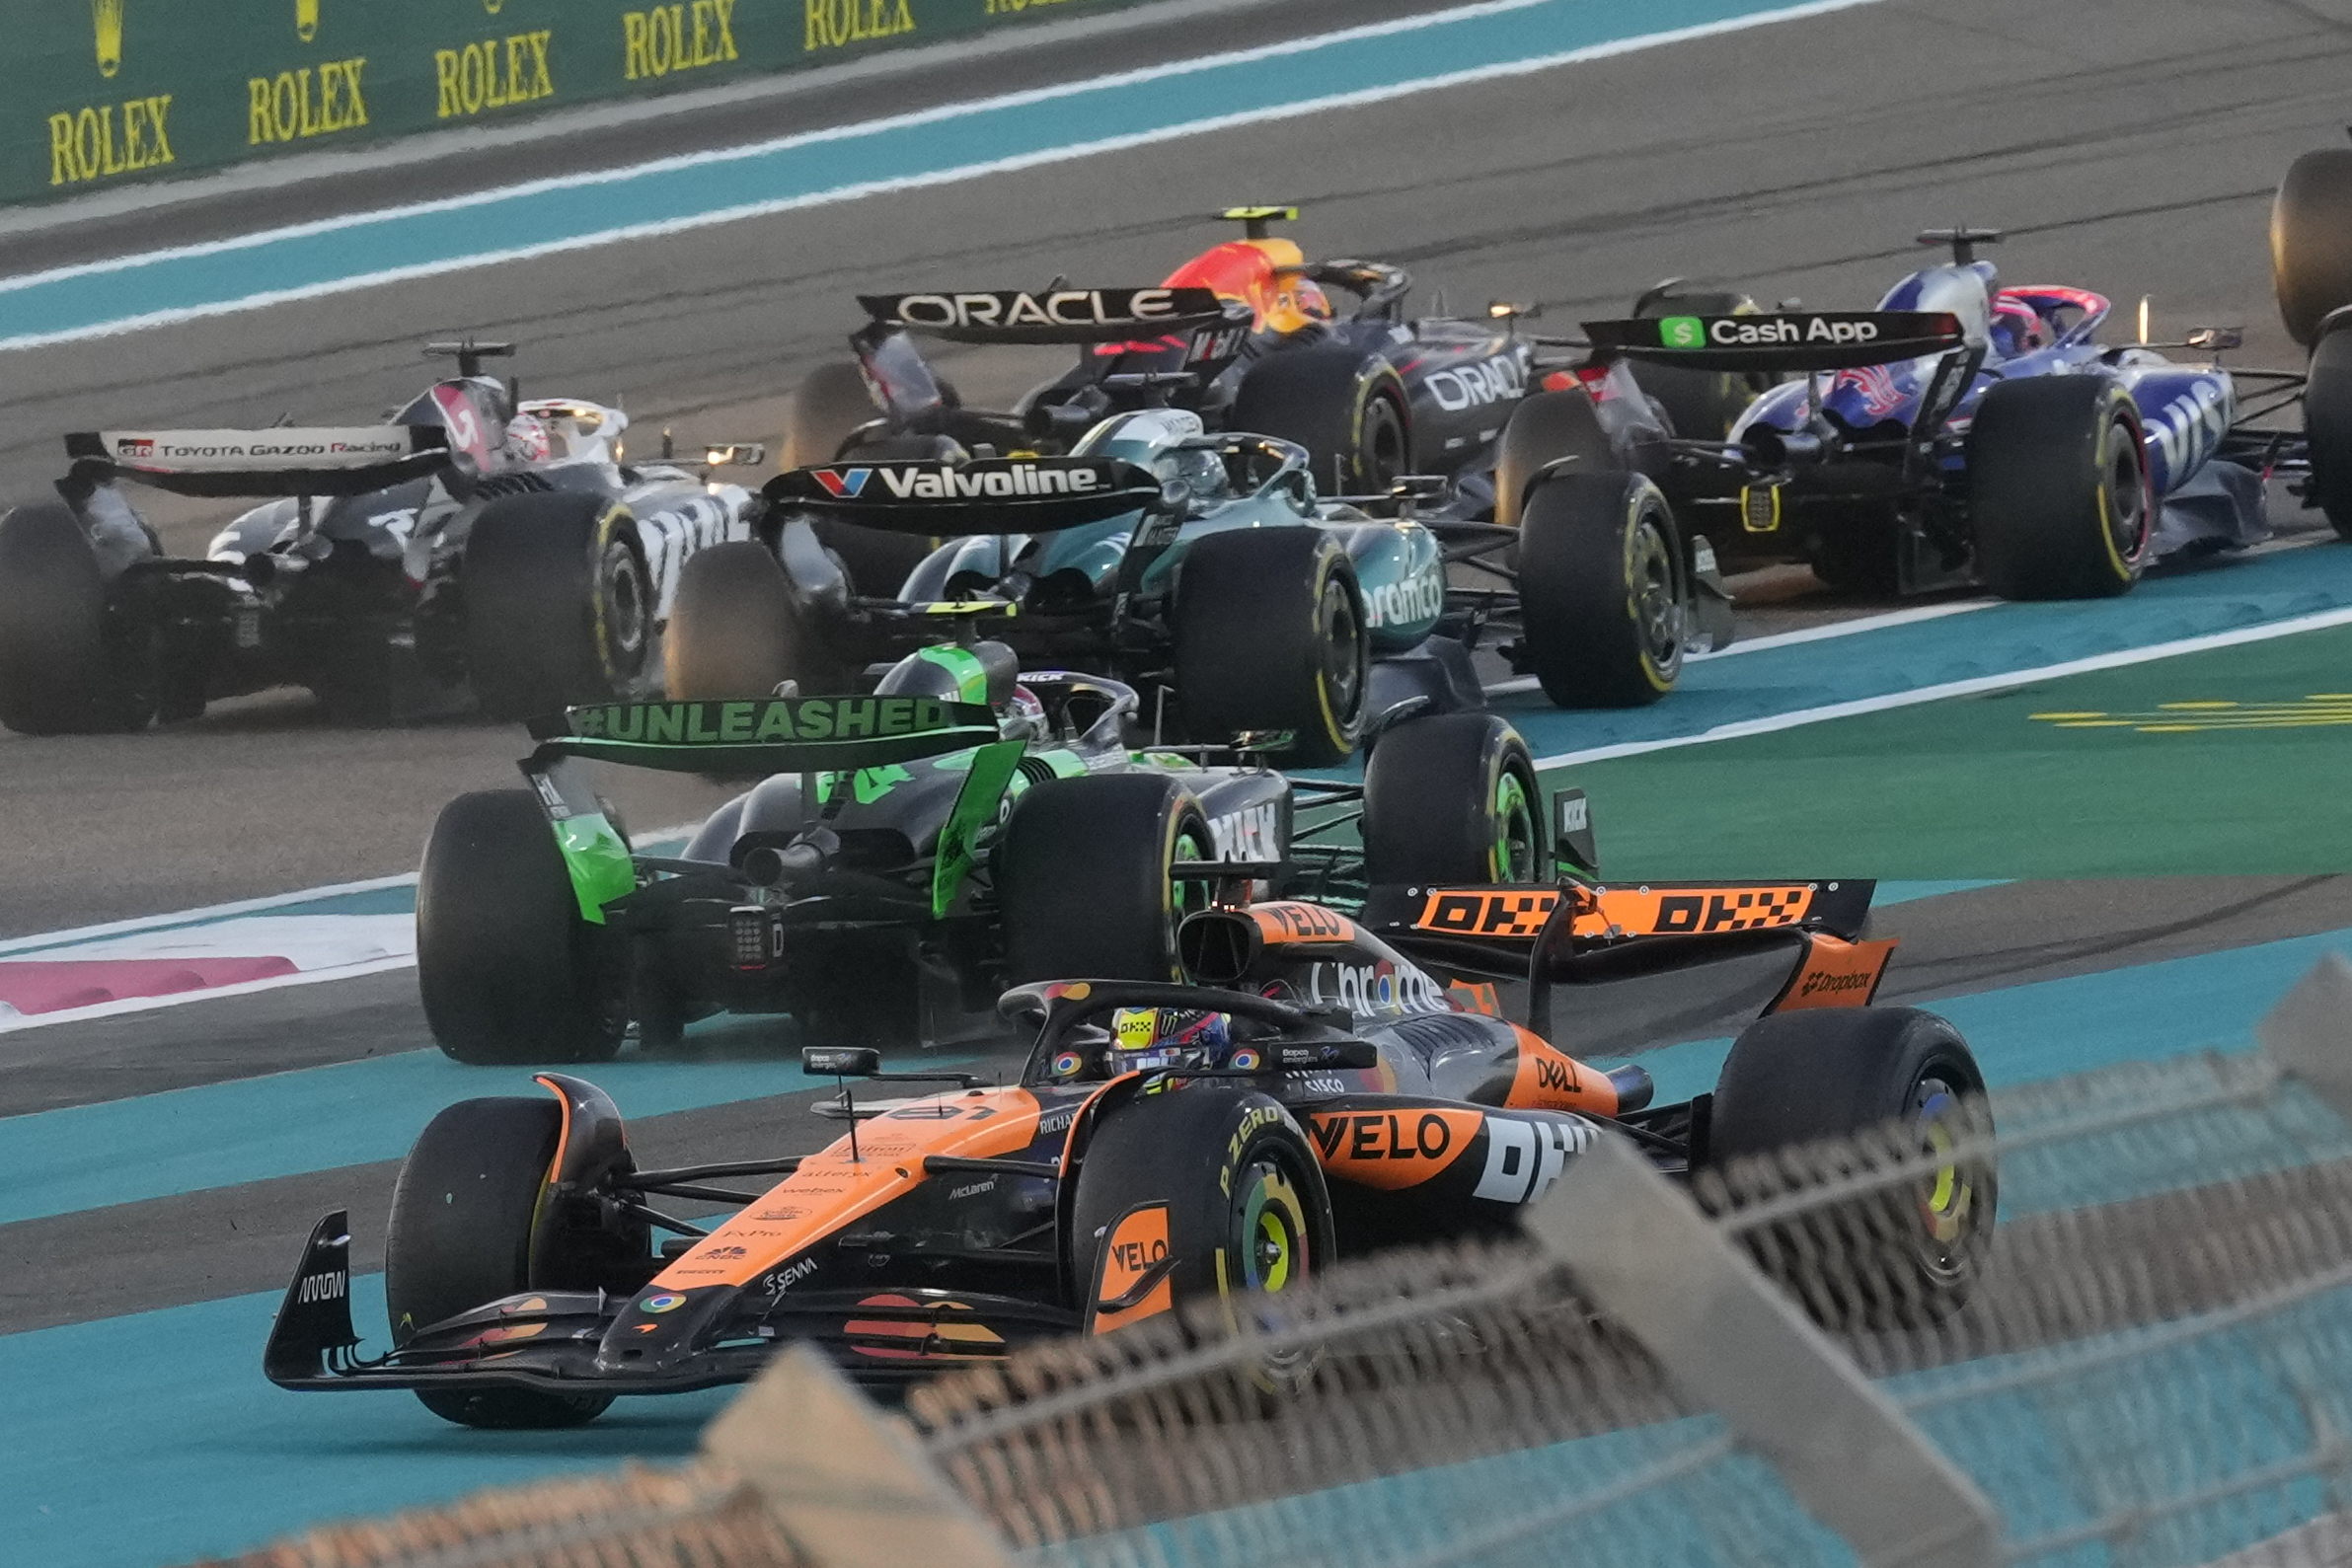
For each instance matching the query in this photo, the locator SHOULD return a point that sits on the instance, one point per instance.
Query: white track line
(2316, 622)
(181, 998)
(204, 916)
(1784, 639)
(758, 210)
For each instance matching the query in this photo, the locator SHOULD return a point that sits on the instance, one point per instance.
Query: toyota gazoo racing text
(471, 546)
(1321, 1085)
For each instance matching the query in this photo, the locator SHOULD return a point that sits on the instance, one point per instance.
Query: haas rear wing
(1780, 339)
(1054, 316)
(288, 461)
(991, 496)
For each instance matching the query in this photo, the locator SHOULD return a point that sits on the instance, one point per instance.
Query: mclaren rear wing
(1504, 920)
(991, 496)
(1055, 316)
(1777, 340)
(287, 461)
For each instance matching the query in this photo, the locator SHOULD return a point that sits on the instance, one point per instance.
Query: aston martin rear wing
(1056, 315)
(990, 495)
(1778, 340)
(287, 461)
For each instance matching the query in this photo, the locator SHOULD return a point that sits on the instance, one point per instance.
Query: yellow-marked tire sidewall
(1639, 501)
(615, 525)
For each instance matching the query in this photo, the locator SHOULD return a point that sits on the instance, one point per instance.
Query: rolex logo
(306, 20)
(107, 15)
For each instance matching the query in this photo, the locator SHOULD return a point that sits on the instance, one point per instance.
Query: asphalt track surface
(2128, 146)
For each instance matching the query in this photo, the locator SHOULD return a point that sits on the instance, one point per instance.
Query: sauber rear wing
(991, 496)
(288, 461)
(766, 735)
(1054, 316)
(1780, 339)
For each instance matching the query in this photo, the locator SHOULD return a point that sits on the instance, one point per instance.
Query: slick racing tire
(463, 1211)
(1270, 636)
(1702, 404)
(2058, 488)
(1544, 430)
(879, 560)
(737, 631)
(559, 604)
(1601, 591)
(1902, 1257)
(1083, 877)
(64, 669)
(1216, 1191)
(2311, 241)
(1346, 407)
(829, 406)
(1452, 800)
(2328, 425)
(509, 971)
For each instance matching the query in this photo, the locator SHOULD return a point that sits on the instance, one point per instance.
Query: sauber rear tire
(1601, 591)
(2058, 490)
(1346, 407)
(2327, 425)
(463, 1210)
(735, 630)
(1242, 1206)
(1901, 1257)
(1270, 636)
(61, 672)
(1083, 877)
(1452, 800)
(509, 971)
(559, 604)
(2311, 241)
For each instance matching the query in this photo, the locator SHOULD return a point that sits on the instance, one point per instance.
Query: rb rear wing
(341, 460)
(1777, 341)
(1054, 316)
(990, 495)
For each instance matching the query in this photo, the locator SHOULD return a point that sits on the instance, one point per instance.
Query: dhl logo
(1615, 912)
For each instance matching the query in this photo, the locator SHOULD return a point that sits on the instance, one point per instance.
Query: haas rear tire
(1899, 1258)
(1452, 798)
(1346, 407)
(2328, 425)
(1083, 877)
(735, 630)
(2058, 488)
(2311, 241)
(1215, 1189)
(1270, 636)
(559, 604)
(463, 1211)
(1601, 591)
(61, 672)
(508, 969)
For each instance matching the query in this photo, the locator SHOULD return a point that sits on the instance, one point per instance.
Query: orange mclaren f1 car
(1327, 1085)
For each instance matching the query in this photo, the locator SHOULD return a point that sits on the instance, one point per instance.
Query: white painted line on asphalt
(180, 998)
(1492, 71)
(1784, 639)
(202, 916)
(1772, 724)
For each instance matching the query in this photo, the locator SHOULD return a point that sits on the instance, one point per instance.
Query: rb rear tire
(2058, 490)
(1452, 800)
(1083, 877)
(463, 1210)
(61, 672)
(509, 971)
(1702, 404)
(1346, 407)
(558, 602)
(1601, 591)
(1270, 635)
(2328, 425)
(1899, 1257)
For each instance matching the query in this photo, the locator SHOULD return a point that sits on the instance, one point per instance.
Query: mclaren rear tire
(1797, 1088)
(1452, 800)
(1602, 596)
(463, 1212)
(559, 604)
(1083, 878)
(2311, 241)
(1270, 636)
(509, 971)
(64, 669)
(2058, 490)
(1348, 408)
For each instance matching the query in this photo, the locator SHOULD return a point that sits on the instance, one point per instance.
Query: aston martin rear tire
(735, 630)
(1452, 800)
(1544, 430)
(63, 668)
(1083, 883)
(1601, 591)
(1270, 636)
(463, 1210)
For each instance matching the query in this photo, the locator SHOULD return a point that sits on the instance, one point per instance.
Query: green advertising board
(100, 92)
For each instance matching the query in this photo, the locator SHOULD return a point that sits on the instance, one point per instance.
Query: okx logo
(1682, 331)
(845, 483)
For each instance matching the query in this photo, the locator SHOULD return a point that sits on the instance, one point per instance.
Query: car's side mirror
(829, 1061)
(2216, 339)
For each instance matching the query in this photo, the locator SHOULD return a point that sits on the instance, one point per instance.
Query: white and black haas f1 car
(1329, 1097)
(470, 542)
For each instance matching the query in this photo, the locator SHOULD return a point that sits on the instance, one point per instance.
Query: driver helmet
(1022, 716)
(2016, 328)
(1151, 1037)
(1200, 470)
(530, 439)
